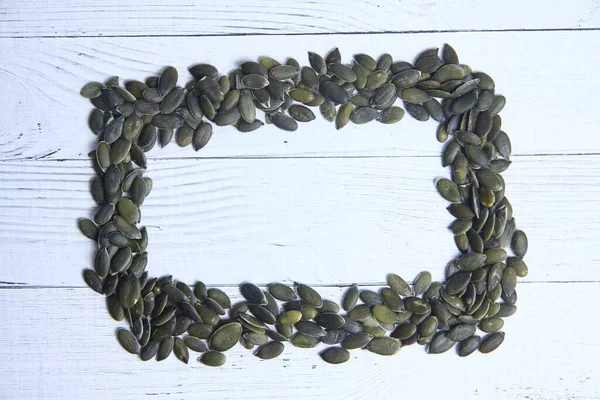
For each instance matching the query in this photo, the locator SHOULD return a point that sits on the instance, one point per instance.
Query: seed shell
(335, 355)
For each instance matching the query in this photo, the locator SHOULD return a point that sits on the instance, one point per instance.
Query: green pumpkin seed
(128, 341)
(391, 115)
(498, 105)
(201, 331)
(422, 283)
(491, 324)
(399, 285)
(404, 331)
(91, 90)
(284, 122)
(211, 89)
(173, 100)
(356, 341)
(384, 315)
(428, 327)
(180, 350)
(225, 337)
(88, 228)
(457, 283)
(343, 72)
(165, 348)
(317, 63)
(167, 80)
(491, 342)
(301, 113)
(376, 79)
(416, 305)
(269, 350)
(257, 339)
(429, 64)
(334, 93)
(519, 244)
(129, 290)
(414, 96)
(309, 295)
(255, 81)
(304, 341)
(518, 265)
(417, 111)
(282, 292)
(440, 343)
(228, 117)
(102, 263)
(391, 299)
(213, 359)
(464, 103)
(328, 111)
(329, 306)
(93, 280)
(362, 115)
(343, 116)
(335, 355)
(149, 350)
(506, 310)
(199, 71)
(448, 190)
(385, 346)
(469, 345)
(366, 61)
(485, 81)
(406, 79)
(167, 121)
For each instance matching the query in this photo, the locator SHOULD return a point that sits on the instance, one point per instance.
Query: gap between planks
(352, 33)
(22, 285)
(285, 157)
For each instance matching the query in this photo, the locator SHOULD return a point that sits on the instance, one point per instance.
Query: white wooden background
(325, 207)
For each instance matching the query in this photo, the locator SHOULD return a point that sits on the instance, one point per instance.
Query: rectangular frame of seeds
(167, 316)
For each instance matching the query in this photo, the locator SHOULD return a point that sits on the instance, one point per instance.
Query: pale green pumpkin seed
(385, 346)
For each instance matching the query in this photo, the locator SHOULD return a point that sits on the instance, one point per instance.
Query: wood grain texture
(61, 344)
(546, 77)
(139, 18)
(315, 220)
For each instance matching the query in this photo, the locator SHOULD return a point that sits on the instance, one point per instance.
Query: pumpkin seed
(128, 341)
(362, 115)
(385, 346)
(213, 359)
(440, 343)
(269, 350)
(225, 337)
(399, 285)
(284, 122)
(335, 355)
(301, 113)
(491, 342)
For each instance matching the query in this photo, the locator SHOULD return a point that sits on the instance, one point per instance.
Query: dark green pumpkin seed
(335, 355)
(491, 342)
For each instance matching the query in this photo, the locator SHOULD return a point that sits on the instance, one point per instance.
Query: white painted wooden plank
(59, 343)
(546, 77)
(314, 220)
(137, 17)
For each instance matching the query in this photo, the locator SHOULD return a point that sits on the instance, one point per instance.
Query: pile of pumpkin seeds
(167, 316)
